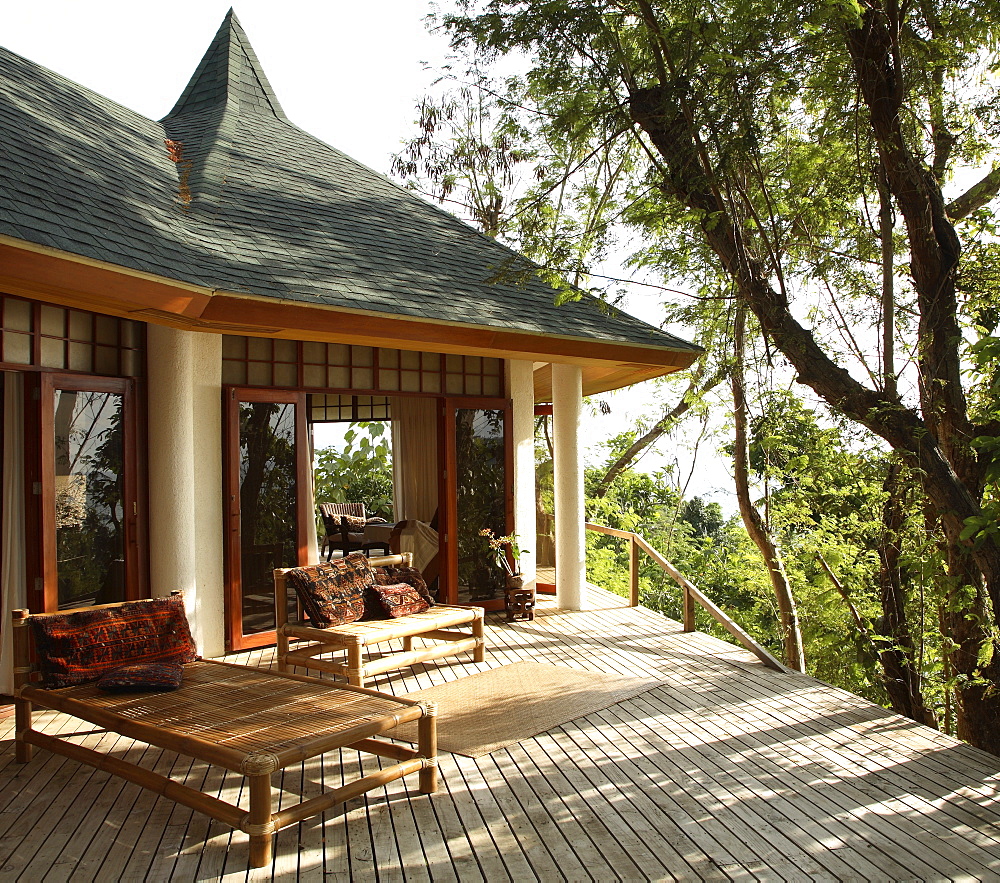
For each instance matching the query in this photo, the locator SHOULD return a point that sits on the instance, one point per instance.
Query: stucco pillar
(571, 566)
(185, 476)
(522, 393)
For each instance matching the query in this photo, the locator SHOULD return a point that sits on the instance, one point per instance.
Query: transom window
(41, 335)
(269, 362)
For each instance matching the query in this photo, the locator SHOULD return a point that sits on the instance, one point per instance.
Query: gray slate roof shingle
(226, 193)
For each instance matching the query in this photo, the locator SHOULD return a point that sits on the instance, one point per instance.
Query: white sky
(348, 72)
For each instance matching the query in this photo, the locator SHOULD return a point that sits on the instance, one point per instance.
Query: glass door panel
(89, 484)
(269, 508)
(268, 492)
(481, 501)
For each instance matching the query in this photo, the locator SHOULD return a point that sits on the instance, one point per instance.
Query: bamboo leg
(479, 633)
(355, 671)
(22, 672)
(408, 643)
(259, 824)
(282, 651)
(427, 746)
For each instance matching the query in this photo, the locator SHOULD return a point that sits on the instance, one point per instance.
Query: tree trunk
(791, 635)
(897, 655)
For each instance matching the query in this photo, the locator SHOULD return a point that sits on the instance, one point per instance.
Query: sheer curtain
(414, 458)
(312, 540)
(12, 573)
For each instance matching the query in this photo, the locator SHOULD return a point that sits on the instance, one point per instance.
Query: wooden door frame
(448, 487)
(39, 395)
(232, 396)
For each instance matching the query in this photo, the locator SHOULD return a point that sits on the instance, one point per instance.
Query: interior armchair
(344, 525)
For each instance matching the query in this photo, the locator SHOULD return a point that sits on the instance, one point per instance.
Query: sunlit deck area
(723, 769)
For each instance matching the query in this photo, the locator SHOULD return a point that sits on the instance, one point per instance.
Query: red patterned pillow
(400, 600)
(153, 677)
(393, 574)
(75, 648)
(333, 593)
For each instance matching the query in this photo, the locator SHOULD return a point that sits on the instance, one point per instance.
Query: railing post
(688, 602)
(633, 572)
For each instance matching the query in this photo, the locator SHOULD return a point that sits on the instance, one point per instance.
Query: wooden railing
(691, 594)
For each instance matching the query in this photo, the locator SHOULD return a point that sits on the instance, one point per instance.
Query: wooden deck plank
(847, 761)
(41, 813)
(705, 723)
(726, 770)
(101, 797)
(129, 819)
(760, 798)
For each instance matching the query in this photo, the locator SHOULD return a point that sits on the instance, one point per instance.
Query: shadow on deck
(723, 770)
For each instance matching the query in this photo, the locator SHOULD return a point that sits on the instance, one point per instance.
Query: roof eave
(50, 275)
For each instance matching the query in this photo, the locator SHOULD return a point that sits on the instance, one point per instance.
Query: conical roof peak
(229, 74)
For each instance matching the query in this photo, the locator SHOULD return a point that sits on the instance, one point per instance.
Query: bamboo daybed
(436, 624)
(251, 721)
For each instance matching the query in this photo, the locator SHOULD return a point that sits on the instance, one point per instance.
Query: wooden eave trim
(47, 274)
(292, 320)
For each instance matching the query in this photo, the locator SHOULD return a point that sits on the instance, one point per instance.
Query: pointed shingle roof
(226, 193)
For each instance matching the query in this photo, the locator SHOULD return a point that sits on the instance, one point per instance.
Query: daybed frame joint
(263, 763)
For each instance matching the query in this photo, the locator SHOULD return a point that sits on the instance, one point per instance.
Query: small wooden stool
(519, 603)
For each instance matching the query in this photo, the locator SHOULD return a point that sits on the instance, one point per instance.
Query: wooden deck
(726, 770)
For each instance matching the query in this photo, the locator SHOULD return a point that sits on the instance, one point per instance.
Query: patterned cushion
(75, 648)
(353, 522)
(333, 593)
(390, 574)
(154, 677)
(400, 600)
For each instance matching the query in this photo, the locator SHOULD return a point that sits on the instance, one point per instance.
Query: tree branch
(979, 194)
(696, 388)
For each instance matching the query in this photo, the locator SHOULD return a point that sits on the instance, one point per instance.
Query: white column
(210, 632)
(567, 406)
(522, 393)
(185, 476)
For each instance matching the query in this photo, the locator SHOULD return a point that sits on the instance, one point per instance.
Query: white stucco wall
(185, 476)
(571, 565)
(522, 393)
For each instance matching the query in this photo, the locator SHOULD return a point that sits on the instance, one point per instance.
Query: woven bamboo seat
(436, 624)
(250, 721)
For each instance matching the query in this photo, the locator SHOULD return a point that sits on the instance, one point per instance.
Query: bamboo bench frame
(437, 624)
(251, 721)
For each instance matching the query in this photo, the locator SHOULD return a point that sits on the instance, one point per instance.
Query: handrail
(691, 593)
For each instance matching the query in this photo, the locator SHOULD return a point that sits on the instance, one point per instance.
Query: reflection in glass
(89, 491)
(268, 493)
(479, 437)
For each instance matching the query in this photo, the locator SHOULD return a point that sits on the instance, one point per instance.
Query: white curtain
(312, 542)
(414, 458)
(12, 573)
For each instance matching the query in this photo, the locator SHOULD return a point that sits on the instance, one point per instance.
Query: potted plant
(507, 553)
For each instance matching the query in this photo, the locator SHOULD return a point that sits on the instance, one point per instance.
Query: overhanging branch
(979, 194)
